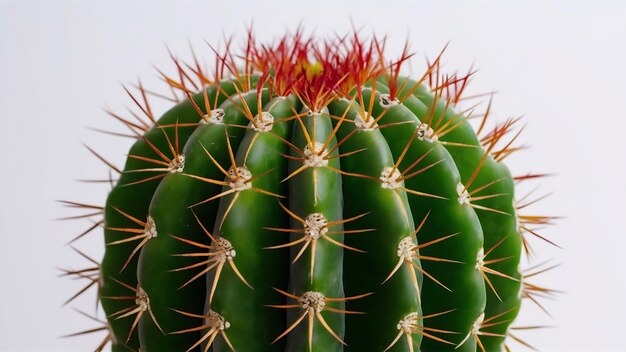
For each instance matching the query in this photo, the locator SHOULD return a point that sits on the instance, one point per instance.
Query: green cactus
(306, 197)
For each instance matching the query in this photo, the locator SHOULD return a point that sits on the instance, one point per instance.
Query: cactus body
(312, 201)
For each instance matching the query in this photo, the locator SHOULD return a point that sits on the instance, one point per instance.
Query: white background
(561, 63)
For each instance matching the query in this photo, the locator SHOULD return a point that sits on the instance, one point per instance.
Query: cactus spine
(307, 197)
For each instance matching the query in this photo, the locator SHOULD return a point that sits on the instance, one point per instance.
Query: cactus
(306, 196)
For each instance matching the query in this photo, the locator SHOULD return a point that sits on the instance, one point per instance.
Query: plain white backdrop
(560, 63)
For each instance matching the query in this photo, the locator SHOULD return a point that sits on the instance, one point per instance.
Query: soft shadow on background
(559, 63)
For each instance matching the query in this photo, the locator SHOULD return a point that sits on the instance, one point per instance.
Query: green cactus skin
(502, 237)
(169, 211)
(312, 201)
(316, 190)
(253, 325)
(465, 293)
(132, 197)
(385, 223)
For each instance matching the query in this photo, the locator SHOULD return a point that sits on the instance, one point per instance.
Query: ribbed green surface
(275, 258)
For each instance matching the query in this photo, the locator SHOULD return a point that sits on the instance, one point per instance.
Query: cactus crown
(306, 196)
